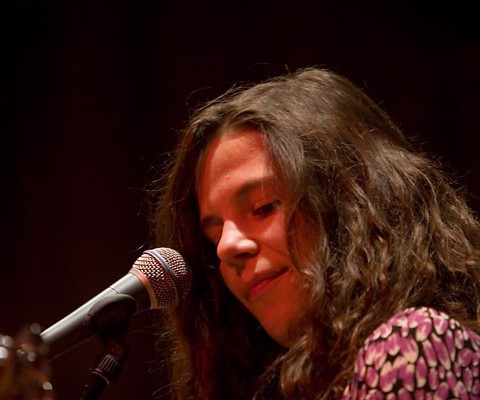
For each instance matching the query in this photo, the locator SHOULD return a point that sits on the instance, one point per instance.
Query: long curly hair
(375, 227)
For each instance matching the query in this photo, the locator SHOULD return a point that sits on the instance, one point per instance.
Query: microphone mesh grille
(167, 273)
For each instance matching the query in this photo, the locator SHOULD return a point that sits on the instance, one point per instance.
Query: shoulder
(418, 353)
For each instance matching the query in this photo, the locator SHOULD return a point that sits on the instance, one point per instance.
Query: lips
(260, 283)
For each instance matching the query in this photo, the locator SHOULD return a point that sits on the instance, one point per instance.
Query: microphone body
(158, 279)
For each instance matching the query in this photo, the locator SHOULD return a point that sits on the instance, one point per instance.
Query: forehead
(235, 147)
(231, 159)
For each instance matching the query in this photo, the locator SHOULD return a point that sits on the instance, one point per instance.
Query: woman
(329, 257)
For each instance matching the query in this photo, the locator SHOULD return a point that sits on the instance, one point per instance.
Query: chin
(281, 336)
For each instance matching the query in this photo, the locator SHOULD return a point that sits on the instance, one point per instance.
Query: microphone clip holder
(109, 320)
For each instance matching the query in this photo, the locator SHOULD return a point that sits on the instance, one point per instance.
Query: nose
(235, 245)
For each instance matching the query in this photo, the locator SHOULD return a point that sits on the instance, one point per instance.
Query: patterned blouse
(419, 353)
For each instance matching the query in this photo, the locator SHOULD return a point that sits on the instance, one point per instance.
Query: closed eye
(268, 208)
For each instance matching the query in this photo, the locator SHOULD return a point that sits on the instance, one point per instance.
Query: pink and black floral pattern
(419, 353)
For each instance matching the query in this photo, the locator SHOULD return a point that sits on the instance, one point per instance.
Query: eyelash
(268, 208)
(263, 211)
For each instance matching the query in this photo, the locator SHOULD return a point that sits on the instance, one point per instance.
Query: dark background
(93, 94)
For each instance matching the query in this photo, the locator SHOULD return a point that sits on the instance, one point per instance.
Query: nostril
(244, 256)
(235, 245)
(237, 252)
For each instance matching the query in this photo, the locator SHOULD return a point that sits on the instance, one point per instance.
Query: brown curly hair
(386, 231)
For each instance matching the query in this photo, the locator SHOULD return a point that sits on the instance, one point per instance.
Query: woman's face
(242, 212)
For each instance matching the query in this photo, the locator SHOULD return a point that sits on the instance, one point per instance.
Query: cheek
(229, 277)
(275, 236)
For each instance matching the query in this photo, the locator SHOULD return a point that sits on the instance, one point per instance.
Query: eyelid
(212, 236)
(268, 207)
(209, 226)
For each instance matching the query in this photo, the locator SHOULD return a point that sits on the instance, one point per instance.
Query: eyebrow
(239, 195)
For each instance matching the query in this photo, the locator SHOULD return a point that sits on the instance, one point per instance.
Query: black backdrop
(93, 93)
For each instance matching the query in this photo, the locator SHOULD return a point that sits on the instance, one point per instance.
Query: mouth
(262, 283)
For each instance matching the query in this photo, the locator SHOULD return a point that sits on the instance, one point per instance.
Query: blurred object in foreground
(24, 366)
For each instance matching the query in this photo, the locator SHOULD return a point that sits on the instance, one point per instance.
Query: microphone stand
(109, 320)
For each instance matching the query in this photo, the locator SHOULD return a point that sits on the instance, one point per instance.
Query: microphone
(159, 278)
